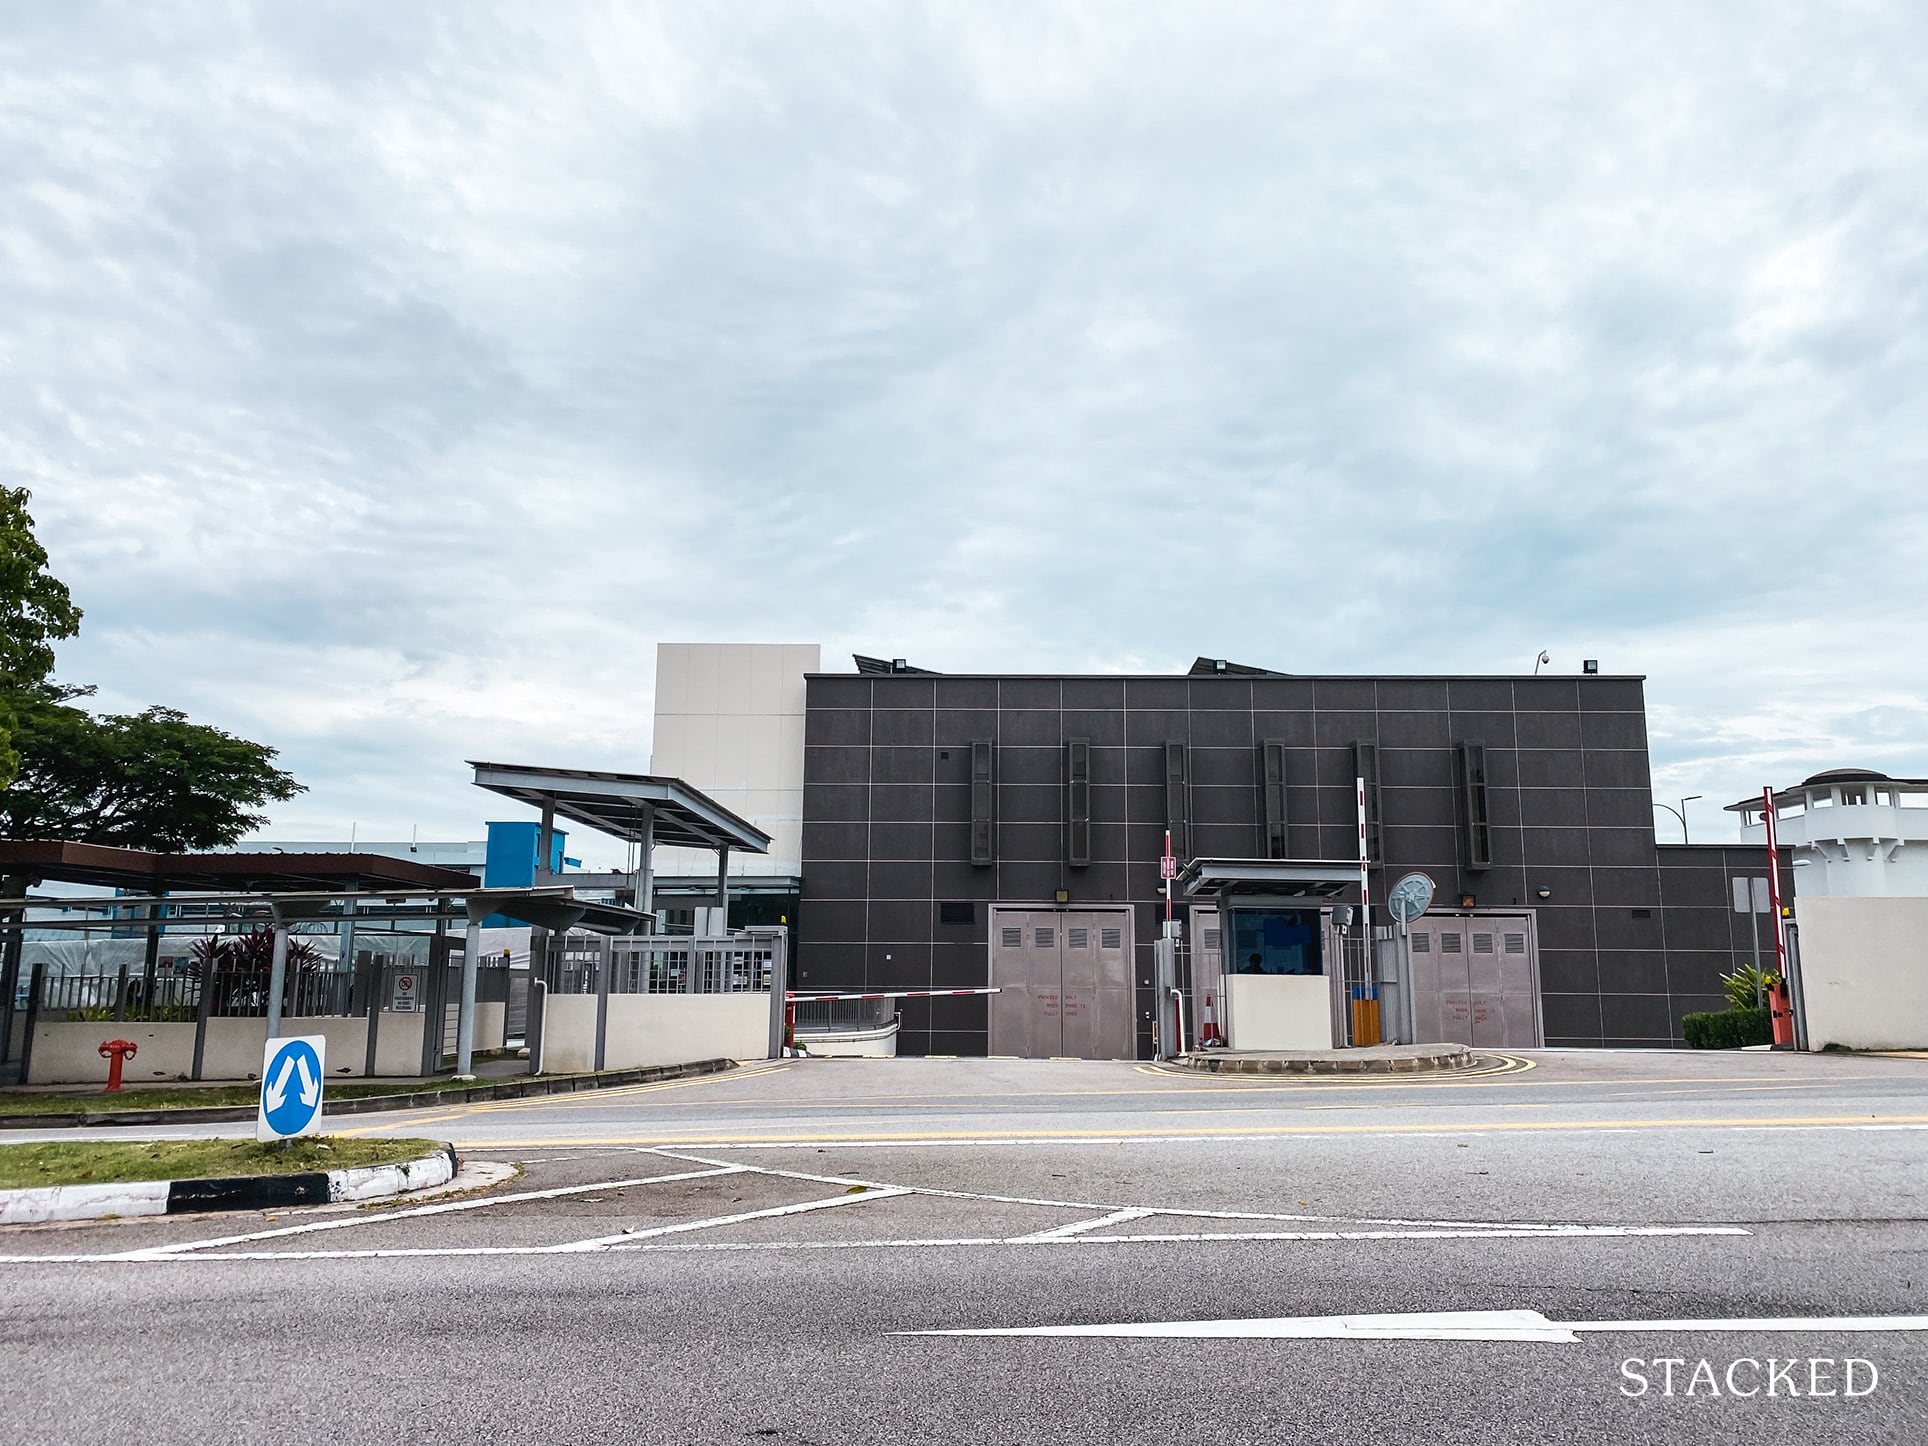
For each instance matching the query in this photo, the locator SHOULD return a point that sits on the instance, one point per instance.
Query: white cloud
(389, 384)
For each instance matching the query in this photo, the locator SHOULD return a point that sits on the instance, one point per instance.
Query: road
(760, 1256)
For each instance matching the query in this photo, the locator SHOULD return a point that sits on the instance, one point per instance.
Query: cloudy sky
(391, 377)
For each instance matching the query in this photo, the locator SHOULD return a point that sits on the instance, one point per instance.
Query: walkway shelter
(640, 809)
(209, 955)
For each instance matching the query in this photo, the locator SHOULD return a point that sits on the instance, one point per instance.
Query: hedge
(1729, 1029)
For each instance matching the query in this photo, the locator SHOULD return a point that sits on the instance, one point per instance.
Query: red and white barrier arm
(796, 998)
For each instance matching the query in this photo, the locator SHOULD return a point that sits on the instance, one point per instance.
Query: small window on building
(1516, 943)
(1111, 938)
(1211, 938)
(1422, 943)
(960, 912)
(1011, 938)
(1482, 943)
(1077, 938)
(1451, 944)
(1854, 795)
(1044, 938)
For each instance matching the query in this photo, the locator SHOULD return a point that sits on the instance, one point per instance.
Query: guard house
(1277, 956)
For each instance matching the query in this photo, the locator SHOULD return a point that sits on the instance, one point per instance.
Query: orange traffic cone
(1209, 1037)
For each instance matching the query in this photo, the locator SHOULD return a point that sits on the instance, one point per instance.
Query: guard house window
(1177, 802)
(983, 812)
(1272, 772)
(1475, 822)
(1365, 761)
(1276, 941)
(1077, 813)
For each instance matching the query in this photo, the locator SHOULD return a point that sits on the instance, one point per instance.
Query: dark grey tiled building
(1528, 795)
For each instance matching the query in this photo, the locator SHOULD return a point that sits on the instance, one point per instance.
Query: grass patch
(109, 1162)
(188, 1097)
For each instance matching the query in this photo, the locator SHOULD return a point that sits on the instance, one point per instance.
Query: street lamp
(1681, 813)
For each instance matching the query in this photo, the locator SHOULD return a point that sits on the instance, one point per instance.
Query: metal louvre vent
(1211, 939)
(1112, 938)
(1422, 943)
(1272, 767)
(1044, 938)
(1077, 814)
(1475, 822)
(1451, 944)
(1011, 938)
(983, 806)
(1515, 943)
(1482, 943)
(1078, 938)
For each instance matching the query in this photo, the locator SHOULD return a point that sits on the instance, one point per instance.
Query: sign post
(1406, 900)
(291, 1083)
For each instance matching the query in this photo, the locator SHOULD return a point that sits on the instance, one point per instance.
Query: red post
(114, 1051)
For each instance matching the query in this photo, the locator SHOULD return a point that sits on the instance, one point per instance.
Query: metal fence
(664, 964)
(174, 989)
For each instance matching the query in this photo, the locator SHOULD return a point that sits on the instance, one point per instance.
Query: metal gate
(1065, 977)
(1476, 980)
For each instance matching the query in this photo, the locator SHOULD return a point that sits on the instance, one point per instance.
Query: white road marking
(1467, 1325)
(605, 1242)
(381, 1217)
(1181, 1212)
(1078, 1227)
(1084, 1231)
(640, 1243)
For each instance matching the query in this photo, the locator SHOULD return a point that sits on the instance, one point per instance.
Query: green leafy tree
(139, 780)
(36, 612)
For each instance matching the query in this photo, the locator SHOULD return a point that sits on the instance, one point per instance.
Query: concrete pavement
(734, 1258)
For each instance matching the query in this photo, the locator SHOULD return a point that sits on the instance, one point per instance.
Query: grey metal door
(1065, 982)
(1208, 956)
(1476, 981)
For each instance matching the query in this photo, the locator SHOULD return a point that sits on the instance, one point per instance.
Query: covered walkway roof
(109, 867)
(626, 805)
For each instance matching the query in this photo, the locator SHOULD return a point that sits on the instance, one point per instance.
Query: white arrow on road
(310, 1086)
(277, 1093)
(1444, 1325)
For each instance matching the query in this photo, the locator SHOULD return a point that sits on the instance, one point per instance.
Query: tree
(36, 612)
(139, 780)
(148, 780)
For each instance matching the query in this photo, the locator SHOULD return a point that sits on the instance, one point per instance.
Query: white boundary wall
(69, 1053)
(1864, 971)
(651, 1029)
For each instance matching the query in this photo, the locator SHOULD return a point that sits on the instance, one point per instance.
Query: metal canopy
(1275, 878)
(123, 868)
(626, 805)
(557, 909)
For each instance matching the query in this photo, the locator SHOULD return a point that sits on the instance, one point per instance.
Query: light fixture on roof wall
(1545, 657)
(1590, 666)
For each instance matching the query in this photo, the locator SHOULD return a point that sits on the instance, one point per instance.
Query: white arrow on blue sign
(291, 1079)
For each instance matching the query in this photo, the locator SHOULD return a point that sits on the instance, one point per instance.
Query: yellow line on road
(1456, 1128)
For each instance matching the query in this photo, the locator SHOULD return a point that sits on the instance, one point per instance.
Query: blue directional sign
(291, 1081)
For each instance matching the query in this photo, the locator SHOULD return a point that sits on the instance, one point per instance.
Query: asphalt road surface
(1051, 1251)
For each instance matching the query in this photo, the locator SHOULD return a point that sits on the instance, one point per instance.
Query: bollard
(114, 1051)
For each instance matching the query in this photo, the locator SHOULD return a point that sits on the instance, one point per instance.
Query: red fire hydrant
(114, 1051)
